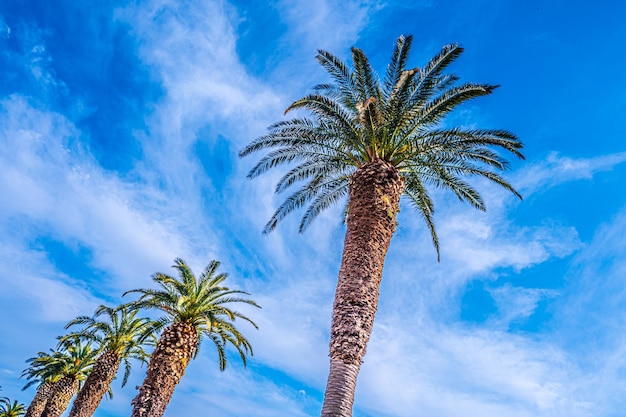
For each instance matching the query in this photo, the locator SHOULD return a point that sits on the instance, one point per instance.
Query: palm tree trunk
(96, 385)
(38, 404)
(374, 201)
(168, 362)
(60, 398)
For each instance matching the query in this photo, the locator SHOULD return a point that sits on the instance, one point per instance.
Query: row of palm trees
(373, 141)
(88, 358)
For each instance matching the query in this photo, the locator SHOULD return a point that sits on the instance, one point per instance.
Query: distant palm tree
(374, 142)
(194, 308)
(43, 371)
(75, 363)
(64, 368)
(120, 336)
(8, 409)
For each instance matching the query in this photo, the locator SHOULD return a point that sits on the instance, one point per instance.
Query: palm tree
(75, 361)
(194, 308)
(374, 142)
(120, 336)
(62, 371)
(42, 370)
(8, 409)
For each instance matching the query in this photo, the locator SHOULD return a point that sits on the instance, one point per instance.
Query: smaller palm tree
(121, 336)
(62, 372)
(194, 308)
(43, 371)
(8, 409)
(76, 362)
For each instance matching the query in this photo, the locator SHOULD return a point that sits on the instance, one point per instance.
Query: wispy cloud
(52, 182)
(557, 169)
(517, 303)
(5, 30)
(448, 370)
(330, 25)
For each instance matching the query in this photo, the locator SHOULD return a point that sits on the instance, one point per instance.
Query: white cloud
(447, 370)
(482, 243)
(43, 294)
(517, 303)
(330, 25)
(235, 392)
(191, 47)
(5, 30)
(557, 169)
(51, 182)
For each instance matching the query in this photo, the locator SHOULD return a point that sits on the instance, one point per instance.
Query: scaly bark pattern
(374, 201)
(38, 404)
(61, 396)
(96, 385)
(168, 362)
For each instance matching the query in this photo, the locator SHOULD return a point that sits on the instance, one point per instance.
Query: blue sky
(120, 124)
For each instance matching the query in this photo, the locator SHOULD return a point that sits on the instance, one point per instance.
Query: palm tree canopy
(43, 367)
(358, 119)
(8, 409)
(200, 302)
(117, 330)
(73, 358)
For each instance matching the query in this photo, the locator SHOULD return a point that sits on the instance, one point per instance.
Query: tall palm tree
(120, 336)
(65, 369)
(375, 141)
(8, 409)
(194, 308)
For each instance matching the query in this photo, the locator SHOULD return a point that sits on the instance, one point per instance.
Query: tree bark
(38, 404)
(168, 362)
(374, 201)
(60, 398)
(96, 385)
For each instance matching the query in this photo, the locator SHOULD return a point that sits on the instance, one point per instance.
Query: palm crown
(359, 119)
(73, 359)
(120, 332)
(11, 409)
(201, 303)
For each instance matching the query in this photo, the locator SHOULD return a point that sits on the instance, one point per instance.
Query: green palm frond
(365, 79)
(341, 75)
(395, 69)
(335, 190)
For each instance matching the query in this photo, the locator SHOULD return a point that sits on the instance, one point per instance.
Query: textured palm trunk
(374, 201)
(38, 404)
(168, 362)
(96, 385)
(61, 396)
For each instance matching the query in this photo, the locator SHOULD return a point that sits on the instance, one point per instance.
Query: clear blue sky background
(120, 124)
